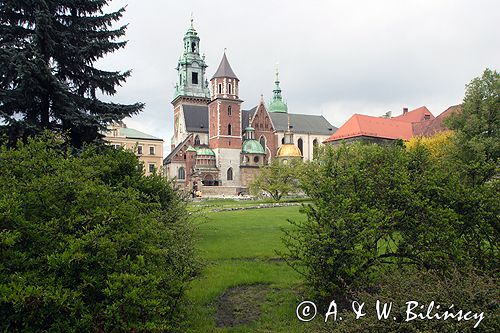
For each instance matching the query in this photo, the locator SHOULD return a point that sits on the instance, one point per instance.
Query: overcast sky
(335, 57)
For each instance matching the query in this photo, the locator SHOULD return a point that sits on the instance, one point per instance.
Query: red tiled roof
(361, 125)
(404, 126)
(415, 116)
(433, 126)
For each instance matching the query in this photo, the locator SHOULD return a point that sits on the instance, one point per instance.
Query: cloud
(335, 57)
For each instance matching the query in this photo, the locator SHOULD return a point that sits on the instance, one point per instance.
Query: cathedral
(217, 146)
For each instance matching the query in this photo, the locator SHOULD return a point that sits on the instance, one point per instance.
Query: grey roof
(225, 69)
(302, 123)
(131, 133)
(244, 117)
(196, 118)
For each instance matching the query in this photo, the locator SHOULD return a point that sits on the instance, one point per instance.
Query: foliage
(466, 290)
(47, 75)
(89, 244)
(439, 145)
(478, 128)
(379, 206)
(277, 179)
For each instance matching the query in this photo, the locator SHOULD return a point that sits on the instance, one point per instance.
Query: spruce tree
(48, 78)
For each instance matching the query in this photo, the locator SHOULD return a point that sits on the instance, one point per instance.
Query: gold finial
(277, 71)
(192, 19)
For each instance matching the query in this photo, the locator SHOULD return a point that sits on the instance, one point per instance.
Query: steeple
(224, 83)
(191, 68)
(224, 70)
(277, 104)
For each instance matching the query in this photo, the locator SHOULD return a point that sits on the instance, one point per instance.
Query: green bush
(467, 291)
(378, 207)
(89, 244)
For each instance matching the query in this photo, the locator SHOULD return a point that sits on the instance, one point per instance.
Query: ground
(245, 285)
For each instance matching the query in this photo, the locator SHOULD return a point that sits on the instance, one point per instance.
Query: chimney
(405, 111)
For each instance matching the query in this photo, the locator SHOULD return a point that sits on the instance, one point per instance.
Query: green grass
(239, 248)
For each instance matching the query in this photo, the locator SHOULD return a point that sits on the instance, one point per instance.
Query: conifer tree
(48, 78)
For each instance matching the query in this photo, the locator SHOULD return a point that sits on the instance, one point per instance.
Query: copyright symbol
(306, 311)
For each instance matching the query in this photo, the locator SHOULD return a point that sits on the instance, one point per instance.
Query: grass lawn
(243, 272)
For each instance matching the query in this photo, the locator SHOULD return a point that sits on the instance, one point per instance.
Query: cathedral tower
(192, 85)
(225, 122)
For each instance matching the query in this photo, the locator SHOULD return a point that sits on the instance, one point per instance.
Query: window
(229, 88)
(151, 150)
(300, 143)
(193, 47)
(197, 140)
(152, 167)
(181, 174)
(315, 148)
(283, 140)
(229, 110)
(220, 88)
(194, 78)
(229, 130)
(262, 141)
(256, 159)
(116, 146)
(139, 150)
(230, 174)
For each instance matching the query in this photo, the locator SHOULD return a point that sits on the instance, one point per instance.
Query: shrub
(89, 244)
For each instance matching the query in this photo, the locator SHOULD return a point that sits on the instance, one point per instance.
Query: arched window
(229, 130)
(181, 174)
(229, 110)
(229, 88)
(300, 143)
(197, 140)
(283, 140)
(193, 47)
(256, 159)
(262, 141)
(315, 148)
(230, 174)
(220, 88)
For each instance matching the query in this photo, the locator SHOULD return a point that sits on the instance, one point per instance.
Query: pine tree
(48, 80)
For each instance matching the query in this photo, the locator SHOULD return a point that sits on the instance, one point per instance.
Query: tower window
(181, 174)
(220, 88)
(194, 78)
(283, 140)
(197, 140)
(229, 130)
(229, 88)
(193, 47)
(230, 174)
(229, 111)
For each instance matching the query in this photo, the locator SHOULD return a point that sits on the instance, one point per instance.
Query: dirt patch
(240, 305)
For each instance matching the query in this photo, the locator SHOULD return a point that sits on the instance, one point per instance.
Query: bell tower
(225, 133)
(192, 84)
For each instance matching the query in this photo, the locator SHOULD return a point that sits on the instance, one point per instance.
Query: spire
(277, 104)
(224, 69)
(288, 132)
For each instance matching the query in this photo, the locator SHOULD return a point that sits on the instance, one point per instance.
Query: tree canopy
(48, 78)
(88, 243)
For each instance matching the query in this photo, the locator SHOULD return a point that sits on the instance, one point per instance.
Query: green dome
(191, 149)
(252, 147)
(277, 105)
(205, 152)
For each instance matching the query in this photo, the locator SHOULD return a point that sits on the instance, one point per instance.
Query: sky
(335, 58)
